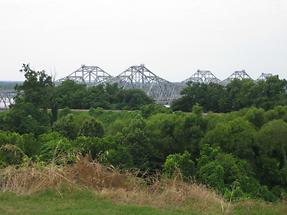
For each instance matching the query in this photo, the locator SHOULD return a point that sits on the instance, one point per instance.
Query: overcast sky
(173, 38)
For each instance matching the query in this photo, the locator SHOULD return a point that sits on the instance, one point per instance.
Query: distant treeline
(236, 95)
(9, 85)
(110, 96)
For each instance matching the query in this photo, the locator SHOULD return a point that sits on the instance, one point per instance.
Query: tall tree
(273, 140)
(29, 114)
(36, 89)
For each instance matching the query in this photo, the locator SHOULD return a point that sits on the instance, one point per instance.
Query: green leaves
(67, 126)
(235, 136)
(36, 89)
(91, 128)
(179, 163)
(79, 96)
(273, 139)
(236, 95)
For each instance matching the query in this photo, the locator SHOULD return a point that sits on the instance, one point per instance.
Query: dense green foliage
(79, 96)
(229, 152)
(29, 114)
(236, 95)
(38, 94)
(240, 154)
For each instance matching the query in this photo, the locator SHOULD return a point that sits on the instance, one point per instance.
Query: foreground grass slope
(78, 203)
(89, 188)
(120, 189)
(85, 203)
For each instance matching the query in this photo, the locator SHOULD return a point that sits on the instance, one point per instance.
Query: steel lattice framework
(7, 98)
(90, 75)
(139, 77)
(236, 75)
(202, 76)
(264, 76)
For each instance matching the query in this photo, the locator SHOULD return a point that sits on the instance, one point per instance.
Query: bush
(119, 157)
(15, 147)
(96, 112)
(91, 128)
(179, 162)
(226, 173)
(67, 126)
(64, 112)
(94, 146)
(56, 149)
(151, 109)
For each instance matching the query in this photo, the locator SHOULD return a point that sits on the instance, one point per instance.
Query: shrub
(181, 162)
(67, 126)
(56, 149)
(64, 112)
(91, 128)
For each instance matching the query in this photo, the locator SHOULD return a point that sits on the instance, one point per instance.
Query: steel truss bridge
(139, 77)
(90, 75)
(203, 76)
(6, 98)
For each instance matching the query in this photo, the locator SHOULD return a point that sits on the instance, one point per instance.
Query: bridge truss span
(203, 76)
(6, 98)
(240, 75)
(90, 75)
(139, 77)
(264, 76)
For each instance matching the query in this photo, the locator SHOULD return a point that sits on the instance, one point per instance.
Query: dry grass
(110, 183)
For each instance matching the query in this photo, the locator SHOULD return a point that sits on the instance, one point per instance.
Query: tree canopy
(234, 96)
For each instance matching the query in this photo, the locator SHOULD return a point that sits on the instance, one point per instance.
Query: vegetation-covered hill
(89, 188)
(239, 154)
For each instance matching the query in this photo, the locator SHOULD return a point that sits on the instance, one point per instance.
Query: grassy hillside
(85, 203)
(89, 188)
(78, 203)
